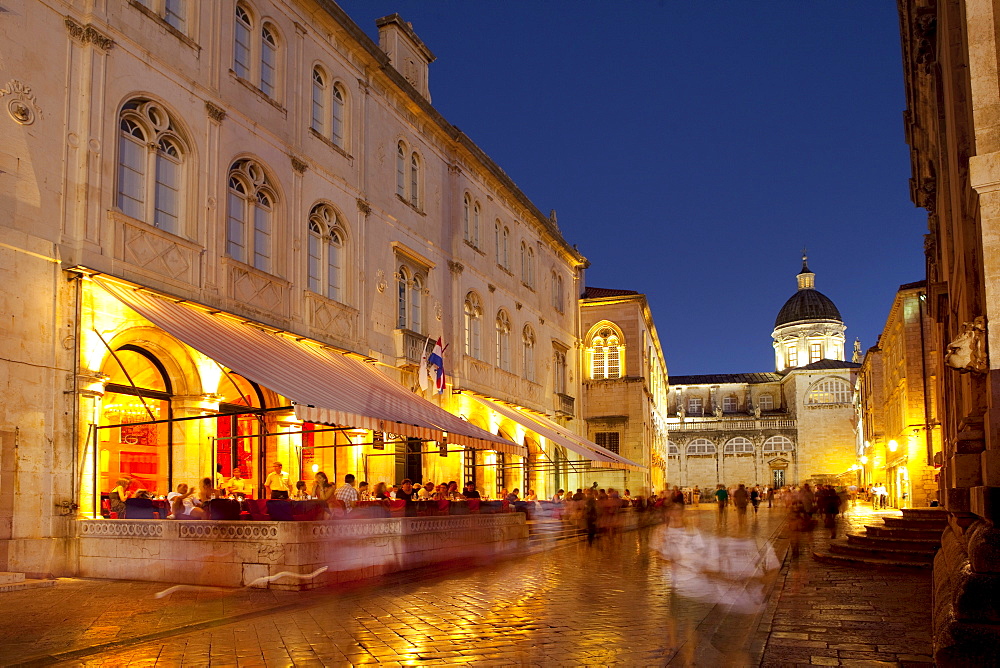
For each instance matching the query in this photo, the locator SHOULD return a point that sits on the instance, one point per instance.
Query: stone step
(924, 524)
(7, 577)
(27, 584)
(868, 562)
(905, 533)
(918, 545)
(840, 547)
(925, 513)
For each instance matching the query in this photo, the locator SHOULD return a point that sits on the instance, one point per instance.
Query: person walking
(755, 495)
(722, 498)
(741, 499)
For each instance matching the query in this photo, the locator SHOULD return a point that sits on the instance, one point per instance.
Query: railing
(409, 347)
(565, 404)
(673, 424)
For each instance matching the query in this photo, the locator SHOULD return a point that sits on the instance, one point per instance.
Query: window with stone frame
(473, 325)
(701, 446)
(765, 402)
(815, 352)
(256, 51)
(251, 211)
(695, 406)
(730, 404)
(151, 161)
(327, 239)
(830, 391)
(609, 440)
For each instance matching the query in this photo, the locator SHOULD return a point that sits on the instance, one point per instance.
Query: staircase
(17, 582)
(909, 541)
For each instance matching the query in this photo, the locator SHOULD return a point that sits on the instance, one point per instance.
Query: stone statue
(856, 357)
(718, 411)
(968, 352)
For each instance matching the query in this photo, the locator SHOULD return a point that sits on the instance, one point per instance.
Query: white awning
(326, 386)
(541, 425)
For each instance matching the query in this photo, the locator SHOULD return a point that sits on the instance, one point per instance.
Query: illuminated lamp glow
(864, 460)
(893, 445)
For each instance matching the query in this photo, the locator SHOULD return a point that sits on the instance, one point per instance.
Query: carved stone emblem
(22, 107)
(968, 351)
(380, 282)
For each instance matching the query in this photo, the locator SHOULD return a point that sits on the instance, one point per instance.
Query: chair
(223, 509)
(473, 505)
(443, 506)
(258, 509)
(140, 509)
(280, 510)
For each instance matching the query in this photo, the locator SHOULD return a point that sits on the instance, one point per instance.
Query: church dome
(808, 303)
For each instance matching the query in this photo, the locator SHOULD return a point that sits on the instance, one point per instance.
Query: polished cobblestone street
(614, 602)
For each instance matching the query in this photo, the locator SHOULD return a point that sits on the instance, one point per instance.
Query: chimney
(406, 52)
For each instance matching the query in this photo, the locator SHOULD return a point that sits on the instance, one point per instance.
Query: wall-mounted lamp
(893, 445)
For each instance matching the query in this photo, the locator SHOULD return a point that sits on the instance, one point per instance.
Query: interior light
(315, 468)
(864, 460)
(893, 445)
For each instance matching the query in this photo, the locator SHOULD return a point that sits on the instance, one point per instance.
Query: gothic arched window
(251, 215)
(503, 340)
(150, 166)
(473, 325)
(326, 252)
(606, 354)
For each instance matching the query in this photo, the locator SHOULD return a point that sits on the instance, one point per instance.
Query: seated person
(118, 496)
(425, 492)
(181, 503)
(301, 493)
(237, 485)
(470, 491)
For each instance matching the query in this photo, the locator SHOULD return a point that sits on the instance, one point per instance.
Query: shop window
(133, 443)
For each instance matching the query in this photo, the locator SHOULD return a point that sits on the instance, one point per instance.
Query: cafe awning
(325, 385)
(599, 457)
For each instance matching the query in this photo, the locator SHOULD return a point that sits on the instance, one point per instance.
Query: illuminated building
(786, 427)
(624, 385)
(897, 414)
(952, 88)
(212, 206)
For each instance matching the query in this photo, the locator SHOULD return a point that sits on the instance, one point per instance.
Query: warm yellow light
(864, 460)
(315, 468)
(867, 444)
(893, 445)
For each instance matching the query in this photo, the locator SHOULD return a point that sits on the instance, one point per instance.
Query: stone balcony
(409, 347)
(729, 423)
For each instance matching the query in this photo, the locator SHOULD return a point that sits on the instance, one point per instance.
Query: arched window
(738, 446)
(473, 325)
(401, 170)
(672, 449)
(559, 372)
(467, 218)
(506, 247)
(778, 444)
(524, 262)
(830, 391)
(269, 61)
(701, 446)
(326, 252)
(243, 29)
(149, 146)
(338, 116)
(256, 54)
(557, 292)
(605, 355)
(528, 356)
(251, 213)
(497, 227)
(318, 101)
(475, 225)
(410, 296)
(503, 340)
(415, 180)
(530, 280)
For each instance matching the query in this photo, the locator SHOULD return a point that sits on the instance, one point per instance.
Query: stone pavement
(614, 602)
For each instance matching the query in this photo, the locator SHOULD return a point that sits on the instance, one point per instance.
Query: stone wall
(235, 554)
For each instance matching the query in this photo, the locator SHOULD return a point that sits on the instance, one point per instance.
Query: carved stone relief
(968, 351)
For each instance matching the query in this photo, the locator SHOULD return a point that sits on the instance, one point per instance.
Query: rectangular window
(609, 440)
(261, 239)
(333, 272)
(241, 50)
(318, 112)
(694, 406)
(315, 262)
(793, 356)
(236, 234)
(167, 194)
(765, 402)
(729, 404)
(174, 13)
(131, 178)
(815, 352)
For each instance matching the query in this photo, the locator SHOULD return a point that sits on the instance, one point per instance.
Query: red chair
(258, 509)
(505, 506)
(397, 506)
(473, 505)
(443, 506)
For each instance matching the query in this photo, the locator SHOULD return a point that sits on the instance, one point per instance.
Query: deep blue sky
(692, 149)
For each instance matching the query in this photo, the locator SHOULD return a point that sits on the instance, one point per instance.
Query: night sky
(692, 149)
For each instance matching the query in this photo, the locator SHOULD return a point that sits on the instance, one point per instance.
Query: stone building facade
(192, 186)
(952, 84)
(901, 438)
(785, 427)
(624, 384)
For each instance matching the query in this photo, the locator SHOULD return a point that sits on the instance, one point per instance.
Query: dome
(807, 304)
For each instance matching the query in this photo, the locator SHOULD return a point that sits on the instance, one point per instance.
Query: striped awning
(599, 457)
(325, 386)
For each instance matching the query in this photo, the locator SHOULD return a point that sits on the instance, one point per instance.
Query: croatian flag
(436, 359)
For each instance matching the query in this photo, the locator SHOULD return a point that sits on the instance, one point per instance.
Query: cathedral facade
(792, 425)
